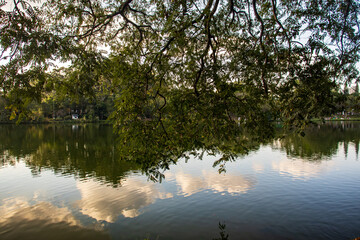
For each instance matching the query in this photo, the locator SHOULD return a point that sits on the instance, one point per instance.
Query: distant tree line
(100, 106)
(347, 102)
(54, 107)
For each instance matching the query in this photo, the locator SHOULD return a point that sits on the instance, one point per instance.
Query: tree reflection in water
(104, 162)
(93, 151)
(320, 141)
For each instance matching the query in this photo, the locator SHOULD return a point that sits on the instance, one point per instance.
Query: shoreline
(103, 122)
(108, 122)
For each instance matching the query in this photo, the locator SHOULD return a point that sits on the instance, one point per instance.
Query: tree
(221, 62)
(264, 51)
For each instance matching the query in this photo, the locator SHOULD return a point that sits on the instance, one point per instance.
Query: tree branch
(262, 30)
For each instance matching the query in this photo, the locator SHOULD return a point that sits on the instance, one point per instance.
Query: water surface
(68, 182)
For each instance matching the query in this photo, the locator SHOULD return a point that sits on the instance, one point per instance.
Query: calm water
(67, 182)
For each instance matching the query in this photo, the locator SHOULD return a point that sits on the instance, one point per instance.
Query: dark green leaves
(186, 72)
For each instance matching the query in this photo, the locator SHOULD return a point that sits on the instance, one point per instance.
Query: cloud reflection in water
(301, 169)
(105, 203)
(212, 180)
(42, 220)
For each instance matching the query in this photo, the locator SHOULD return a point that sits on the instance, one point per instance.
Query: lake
(69, 182)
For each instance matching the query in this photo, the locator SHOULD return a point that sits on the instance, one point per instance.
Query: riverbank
(338, 119)
(81, 121)
(78, 121)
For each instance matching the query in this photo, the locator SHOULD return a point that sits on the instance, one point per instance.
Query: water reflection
(90, 151)
(105, 203)
(85, 151)
(97, 191)
(19, 209)
(42, 220)
(229, 183)
(299, 168)
(321, 141)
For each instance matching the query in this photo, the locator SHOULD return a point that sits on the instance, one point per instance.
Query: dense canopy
(183, 71)
(245, 56)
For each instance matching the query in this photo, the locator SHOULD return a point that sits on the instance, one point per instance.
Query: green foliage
(179, 69)
(268, 50)
(185, 125)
